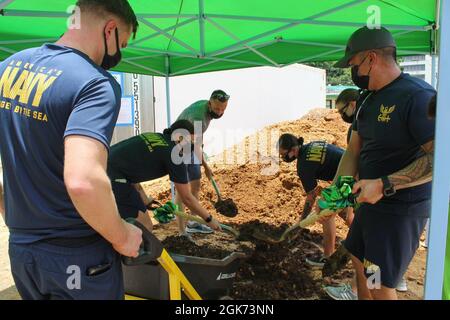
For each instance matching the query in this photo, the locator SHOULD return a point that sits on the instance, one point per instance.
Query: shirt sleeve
(307, 175)
(177, 172)
(420, 126)
(95, 111)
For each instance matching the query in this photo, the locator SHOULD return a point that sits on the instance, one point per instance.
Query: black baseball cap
(365, 39)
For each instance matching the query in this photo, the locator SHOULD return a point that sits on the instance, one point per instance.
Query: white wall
(259, 97)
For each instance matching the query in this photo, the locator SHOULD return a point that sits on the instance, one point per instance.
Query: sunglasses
(344, 109)
(221, 97)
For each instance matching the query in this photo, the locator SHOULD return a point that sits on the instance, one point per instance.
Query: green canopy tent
(180, 37)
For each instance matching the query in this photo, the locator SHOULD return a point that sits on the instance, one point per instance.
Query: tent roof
(178, 37)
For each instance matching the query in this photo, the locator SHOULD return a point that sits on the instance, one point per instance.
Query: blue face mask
(111, 61)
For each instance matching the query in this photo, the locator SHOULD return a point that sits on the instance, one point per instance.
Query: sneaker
(343, 292)
(198, 228)
(402, 286)
(316, 261)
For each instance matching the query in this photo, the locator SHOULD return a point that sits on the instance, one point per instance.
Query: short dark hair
(287, 141)
(220, 95)
(348, 95)
(388, 53)
(432, 107)
(180, 124)
(119, 8)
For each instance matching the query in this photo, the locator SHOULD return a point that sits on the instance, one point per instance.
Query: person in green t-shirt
(200, 114)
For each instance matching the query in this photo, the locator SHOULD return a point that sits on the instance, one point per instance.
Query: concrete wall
(259, 97)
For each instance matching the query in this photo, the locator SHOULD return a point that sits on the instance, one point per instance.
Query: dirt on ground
(269, 197)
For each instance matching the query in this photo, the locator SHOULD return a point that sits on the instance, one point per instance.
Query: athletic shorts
(49, 272)
(386, 242)
(194, 170)
(128, 200)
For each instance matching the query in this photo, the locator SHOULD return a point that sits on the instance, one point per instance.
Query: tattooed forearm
(417, 173)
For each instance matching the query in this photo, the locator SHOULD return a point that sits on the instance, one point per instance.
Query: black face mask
(347, 118)
(361, 81)
(111, 61)
(214, 115)
(288, 159)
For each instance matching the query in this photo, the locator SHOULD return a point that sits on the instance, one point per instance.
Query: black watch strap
(388, 188)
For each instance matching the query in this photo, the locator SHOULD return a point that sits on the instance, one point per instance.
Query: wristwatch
(209, 219)
(388, 188)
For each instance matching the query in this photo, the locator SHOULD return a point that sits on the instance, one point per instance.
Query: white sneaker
(343, 292)
(196, 227)
(402, 286)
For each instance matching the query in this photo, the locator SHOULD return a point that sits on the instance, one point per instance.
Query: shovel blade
(257, 234)
(336, 262)
(226, 207)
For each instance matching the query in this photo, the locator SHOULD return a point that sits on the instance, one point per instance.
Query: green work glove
(339, 195)
(165, 213)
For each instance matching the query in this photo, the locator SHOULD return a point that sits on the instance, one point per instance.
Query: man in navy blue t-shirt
(58, 109)
(391, 149)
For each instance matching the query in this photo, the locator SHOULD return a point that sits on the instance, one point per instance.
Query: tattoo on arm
(417, 173)
(309, 201)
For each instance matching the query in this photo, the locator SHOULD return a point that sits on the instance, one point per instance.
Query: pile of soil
(268, 200)
(182, 246)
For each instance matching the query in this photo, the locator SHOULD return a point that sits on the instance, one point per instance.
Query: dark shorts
(48, 272)
(194, 170)
(128, 200)
(386, 243)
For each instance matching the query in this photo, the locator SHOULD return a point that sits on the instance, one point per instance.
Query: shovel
(225, 207)
(336, 262)
(224, 227)
(308, 221)
(166, 213)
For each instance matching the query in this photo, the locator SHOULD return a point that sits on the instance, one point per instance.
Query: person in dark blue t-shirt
(391, 150)
(151, 156)
(346, 105)
(58, 109)
(316, 160)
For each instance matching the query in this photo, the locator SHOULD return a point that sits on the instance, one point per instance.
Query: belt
(73, 242)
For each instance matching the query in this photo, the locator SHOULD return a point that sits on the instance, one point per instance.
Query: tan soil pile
(269, 201)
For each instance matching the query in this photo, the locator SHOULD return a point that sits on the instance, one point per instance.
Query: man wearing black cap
(391, 149)
(201, 113)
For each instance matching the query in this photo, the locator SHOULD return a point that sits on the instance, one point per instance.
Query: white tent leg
(441, 177)
(169, 118)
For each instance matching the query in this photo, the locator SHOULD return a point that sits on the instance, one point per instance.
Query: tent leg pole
(169, 118)
(434, 71)
(441, 177)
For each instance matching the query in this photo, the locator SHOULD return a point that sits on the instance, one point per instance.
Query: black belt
(73, 242)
